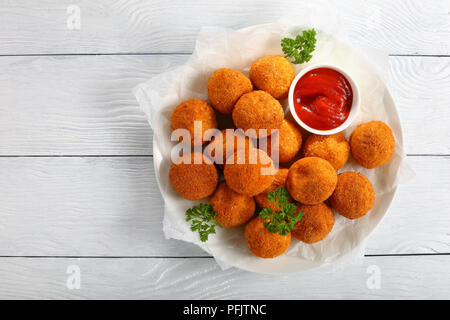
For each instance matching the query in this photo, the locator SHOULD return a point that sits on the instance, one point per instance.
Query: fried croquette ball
(278, 182)
(273, 74)
(311, 180)
(225, 87)
(333, 148)
(230, 141)
(289, 141)
(263, 243)
(353, 196)
(249, 174)
(372, 144)
(232, 209)
(315, 224)
(193, 176)
(257, 110)
(187, 112)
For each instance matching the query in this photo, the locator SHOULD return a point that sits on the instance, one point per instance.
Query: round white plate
(228, 245)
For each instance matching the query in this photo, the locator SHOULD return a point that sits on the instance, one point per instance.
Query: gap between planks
(197, 257)
(151, 156)
(173, 54)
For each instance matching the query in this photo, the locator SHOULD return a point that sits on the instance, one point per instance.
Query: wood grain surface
(134, 26)
(77, 185)
(83, 105)
(103, 206)
(201, 278)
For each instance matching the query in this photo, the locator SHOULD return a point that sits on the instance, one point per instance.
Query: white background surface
(77, 185)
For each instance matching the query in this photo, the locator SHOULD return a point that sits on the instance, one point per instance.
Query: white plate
(161, 94)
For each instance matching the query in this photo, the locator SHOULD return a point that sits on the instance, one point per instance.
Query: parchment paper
(238, 49)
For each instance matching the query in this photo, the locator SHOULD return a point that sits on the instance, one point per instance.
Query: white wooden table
(77, 186)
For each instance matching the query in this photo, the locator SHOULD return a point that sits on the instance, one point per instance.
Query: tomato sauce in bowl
(323, 98)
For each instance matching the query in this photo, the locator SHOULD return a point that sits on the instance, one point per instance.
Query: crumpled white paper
(238, 49)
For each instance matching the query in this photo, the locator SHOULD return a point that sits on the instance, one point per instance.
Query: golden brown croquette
(225, 87)
(289, 142)
(372, 144)
(187, 112)
(333, 148)
(278, 182)
(249, 175)
(191, 180)
(263, 243)
(228, 143)
(315, 224)
(232, 208)
(258, 110)
(354, 195)
(311, 180)
(273, 74)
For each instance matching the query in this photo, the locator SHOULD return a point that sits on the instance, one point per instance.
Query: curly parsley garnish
(203, 220)
(284, 221)
(299, 49)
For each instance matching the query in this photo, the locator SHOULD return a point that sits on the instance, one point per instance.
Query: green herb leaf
(284, 221)
(299, 50)
(203, 220)
(265, 214)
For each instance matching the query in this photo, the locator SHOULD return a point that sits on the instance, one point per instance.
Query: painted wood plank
(112, 207)
(400, 278)
(133, 26)
(83, 105)
(419, 87)
(75, 104)
(419, 206)
(83, 206)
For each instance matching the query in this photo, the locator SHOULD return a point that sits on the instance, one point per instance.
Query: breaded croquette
(249, 174)
(232, 208)
(225, 87)
(228, 143)
(191, 180)
(333, 148)
(315, 224)
(258, 110)
(372, 144)
(187, 112)
(289, 142)
(311, 180)
(263, 243)
(354, 195)
(273, 74)
(278, 182)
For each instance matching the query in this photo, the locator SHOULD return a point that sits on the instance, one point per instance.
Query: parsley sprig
(284, 221)
(203, 220)
(299, 49)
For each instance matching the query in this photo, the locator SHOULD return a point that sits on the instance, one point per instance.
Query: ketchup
(323, 98)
